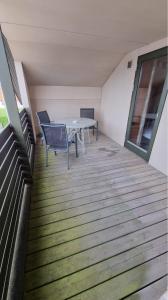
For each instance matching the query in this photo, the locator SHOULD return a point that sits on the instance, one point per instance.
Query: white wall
(115, 104)
(64, 101)
(159, 155)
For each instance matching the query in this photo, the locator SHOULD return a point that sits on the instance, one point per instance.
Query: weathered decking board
(97, 231)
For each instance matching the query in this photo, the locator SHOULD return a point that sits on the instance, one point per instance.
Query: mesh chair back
(43, 117)
(55, 135)
(87, 113)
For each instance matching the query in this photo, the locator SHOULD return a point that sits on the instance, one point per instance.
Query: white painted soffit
(78, 43)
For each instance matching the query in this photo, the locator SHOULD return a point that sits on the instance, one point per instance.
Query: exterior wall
(63, 101)
(115, 104)
(159, 155)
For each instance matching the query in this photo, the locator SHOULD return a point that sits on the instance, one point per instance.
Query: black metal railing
(15, 182)
(27, 133)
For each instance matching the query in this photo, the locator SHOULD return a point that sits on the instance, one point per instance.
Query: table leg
(83, 139)
(88, 133)
(76, 144)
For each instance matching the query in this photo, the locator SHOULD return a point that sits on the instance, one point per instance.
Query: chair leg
(97, 132)
(55, 152)
(46, 157)
(93, 130)
(68, 158)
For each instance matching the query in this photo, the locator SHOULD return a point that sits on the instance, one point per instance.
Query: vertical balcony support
(9, 94)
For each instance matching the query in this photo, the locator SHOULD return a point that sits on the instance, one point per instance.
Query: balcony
(98, 230)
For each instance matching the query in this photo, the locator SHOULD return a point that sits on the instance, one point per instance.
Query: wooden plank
(60, 165)
(90, 257)
(64, 184)
(85, 279)
(46, 174)
(112, 189)
(89, 241)
(113, 151)
(81, 191)
(94, 149)
(88, 218)
(61, 180)
(130, 281)
(58, 161)
(105, 181)
(81, 208)
(66, 181)
(153, 291)
(113, 206)
(110, 149)
(83, 230)
(65, 176)
(96, 198)
(42, 177)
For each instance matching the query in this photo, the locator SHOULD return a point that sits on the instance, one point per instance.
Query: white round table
(76, 127)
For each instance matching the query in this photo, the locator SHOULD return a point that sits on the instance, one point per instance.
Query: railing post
(9, 94)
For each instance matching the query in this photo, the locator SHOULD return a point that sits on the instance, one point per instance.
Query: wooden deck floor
(97, 231)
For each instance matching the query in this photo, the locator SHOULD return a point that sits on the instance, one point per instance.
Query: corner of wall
(116, 97)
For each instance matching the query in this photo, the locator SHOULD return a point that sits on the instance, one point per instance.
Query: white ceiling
(78, 42)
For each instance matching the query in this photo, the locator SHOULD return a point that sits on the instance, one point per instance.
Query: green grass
(3, 117)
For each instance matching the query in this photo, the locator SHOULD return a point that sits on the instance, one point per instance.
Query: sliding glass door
(150, 89)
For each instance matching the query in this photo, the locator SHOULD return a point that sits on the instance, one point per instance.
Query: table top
(77, 122)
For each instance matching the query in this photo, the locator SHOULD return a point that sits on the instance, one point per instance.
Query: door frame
(128, 144)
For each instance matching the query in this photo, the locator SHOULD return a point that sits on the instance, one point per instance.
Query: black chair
(89, 113)
(43, 117)
(56, 139)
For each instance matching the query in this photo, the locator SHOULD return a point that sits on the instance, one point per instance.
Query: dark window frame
(128, 144)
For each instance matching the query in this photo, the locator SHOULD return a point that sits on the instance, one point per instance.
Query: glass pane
(152, 78)
(3, 112)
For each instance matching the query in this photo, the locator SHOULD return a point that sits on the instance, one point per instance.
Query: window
(147, 102)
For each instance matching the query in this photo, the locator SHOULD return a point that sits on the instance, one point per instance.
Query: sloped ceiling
(78, 42)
